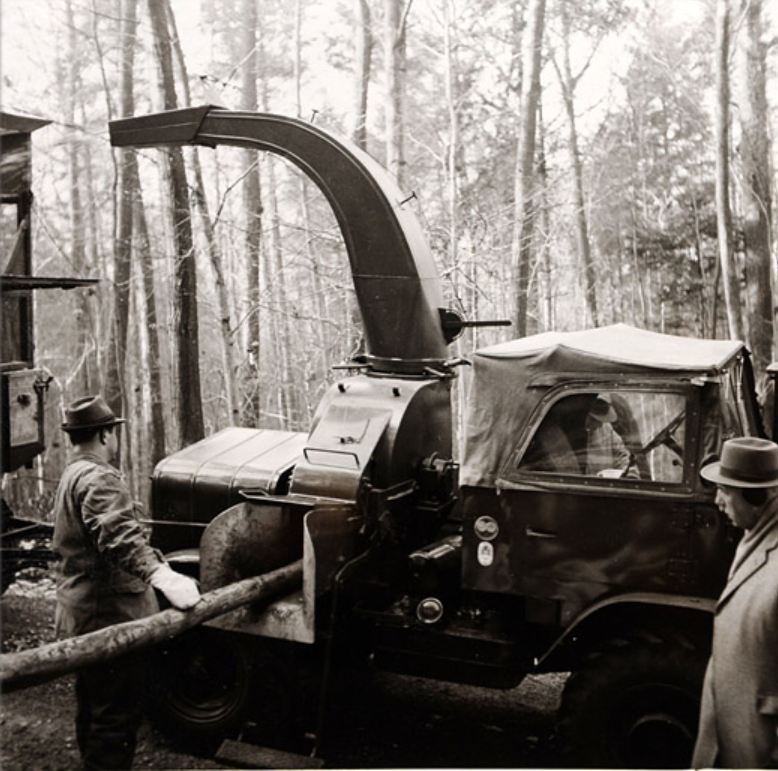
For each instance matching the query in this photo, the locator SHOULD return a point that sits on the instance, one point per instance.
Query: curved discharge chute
(397, 284)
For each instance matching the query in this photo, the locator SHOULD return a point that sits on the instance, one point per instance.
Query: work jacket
(739, 715)
(604, 448)
(106, 559)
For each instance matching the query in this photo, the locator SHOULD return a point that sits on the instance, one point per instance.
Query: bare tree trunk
(85, 378)
(153, 362)
(568, 84)
(700, 266)
(252, 204)
(190, 410)
(395, 25)
(117, 342)
(295, 399)
(363, 56)
(37, 665)
(723, 212)
(99, 310)
(524, 206)
(453, 133)
(547, 296)
(277, 285)
(638, 273)
(757, 196)
(214, 250)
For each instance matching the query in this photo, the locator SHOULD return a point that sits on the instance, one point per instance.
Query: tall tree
(282, 401)
(190, 410)
(212, 242)
(524, 205)
(86, 377)
(723, 210)
(127, 190)
(153, 358)
(252, 205)
(395, 27)
(568, 82)
(363, 57)
(757, 196)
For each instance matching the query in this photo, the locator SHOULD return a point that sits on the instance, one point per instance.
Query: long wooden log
(36, 665)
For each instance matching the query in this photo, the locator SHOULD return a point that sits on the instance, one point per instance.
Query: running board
(243, 755)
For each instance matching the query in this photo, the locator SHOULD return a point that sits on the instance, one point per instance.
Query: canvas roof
(625, 344)
(503, 391)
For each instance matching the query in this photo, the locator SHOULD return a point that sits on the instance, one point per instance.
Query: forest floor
(393, 722)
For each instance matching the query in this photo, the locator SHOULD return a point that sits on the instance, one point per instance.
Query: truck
(23, 384)
(526, 555)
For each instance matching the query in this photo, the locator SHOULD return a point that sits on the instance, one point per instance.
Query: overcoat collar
(753, 551)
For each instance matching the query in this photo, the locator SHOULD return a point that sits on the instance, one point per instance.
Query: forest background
(573, 163)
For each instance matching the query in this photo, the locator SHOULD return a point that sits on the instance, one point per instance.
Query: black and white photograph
(388, 384)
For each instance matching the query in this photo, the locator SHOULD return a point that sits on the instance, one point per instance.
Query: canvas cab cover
(509, 379)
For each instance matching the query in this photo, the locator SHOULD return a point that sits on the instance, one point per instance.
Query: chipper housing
(300, 495)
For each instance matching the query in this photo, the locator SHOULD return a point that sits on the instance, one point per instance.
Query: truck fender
(703, 605)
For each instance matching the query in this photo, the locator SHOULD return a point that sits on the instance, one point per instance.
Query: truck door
(601, 497)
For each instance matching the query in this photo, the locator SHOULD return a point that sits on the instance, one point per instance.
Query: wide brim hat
(89, 412)
(746, 461)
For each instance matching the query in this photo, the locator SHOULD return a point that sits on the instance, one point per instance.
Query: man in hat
(606, 453)
(739, 715)
(107, 572)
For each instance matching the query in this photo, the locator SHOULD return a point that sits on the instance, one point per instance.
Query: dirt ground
(393, 722)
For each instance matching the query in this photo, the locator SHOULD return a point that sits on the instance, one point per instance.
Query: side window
(612, 434)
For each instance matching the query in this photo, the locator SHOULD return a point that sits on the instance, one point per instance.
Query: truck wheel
(636, 706)
(200, 687)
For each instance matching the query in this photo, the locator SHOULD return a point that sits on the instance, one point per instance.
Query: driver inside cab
(606, 453)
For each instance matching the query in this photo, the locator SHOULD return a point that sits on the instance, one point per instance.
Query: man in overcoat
(106, 574)
(739, 714)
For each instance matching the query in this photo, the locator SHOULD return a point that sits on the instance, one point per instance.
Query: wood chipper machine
(529, 560)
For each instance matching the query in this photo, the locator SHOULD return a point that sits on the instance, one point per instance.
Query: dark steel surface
(384, 426)
(12, 283)
(248, 540)
(576, 548)
(255, 537)
(11, 123)
(22, 403)
(198, 482)
(395, 278)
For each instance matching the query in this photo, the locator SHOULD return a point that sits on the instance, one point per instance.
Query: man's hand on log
(181, 590)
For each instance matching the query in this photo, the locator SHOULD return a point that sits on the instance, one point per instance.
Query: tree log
(37, 665)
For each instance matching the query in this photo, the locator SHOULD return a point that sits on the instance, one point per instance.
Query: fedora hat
(746, 461)
(89, 412)
(602, 409)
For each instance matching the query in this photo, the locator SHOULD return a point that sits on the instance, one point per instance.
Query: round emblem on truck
(486, 528)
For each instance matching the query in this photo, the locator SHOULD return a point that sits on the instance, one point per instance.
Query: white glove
(181, 591)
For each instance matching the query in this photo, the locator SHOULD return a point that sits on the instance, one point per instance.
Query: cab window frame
(515, 474)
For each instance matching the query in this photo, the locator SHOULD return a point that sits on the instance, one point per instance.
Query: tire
(200, 688)
(636, 706)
